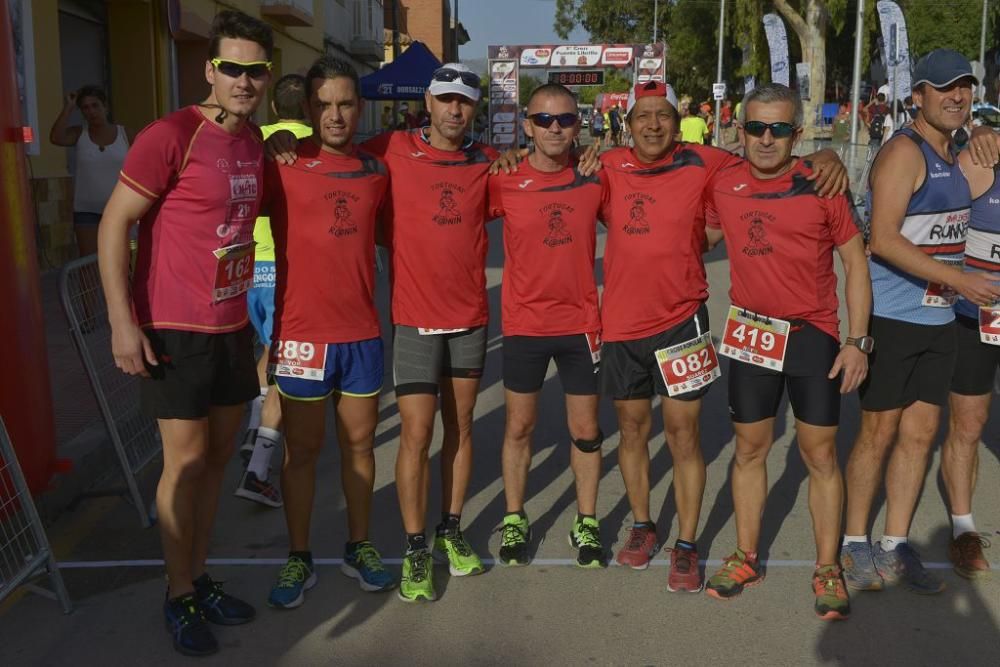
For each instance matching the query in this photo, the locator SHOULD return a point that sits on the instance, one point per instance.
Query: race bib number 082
(289, 358)
(689, 366)
(755, 339)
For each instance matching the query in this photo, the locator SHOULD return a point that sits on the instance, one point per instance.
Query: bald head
(549, 90)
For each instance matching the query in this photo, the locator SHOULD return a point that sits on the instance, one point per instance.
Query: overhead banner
(503, 106)
(897, 48)
(777, 44)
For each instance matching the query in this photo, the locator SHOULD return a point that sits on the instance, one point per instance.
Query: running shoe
(187, 627)
(832, 603)
(966, 553)
(258, 490)
(294, 579)
(585, 537)
(736, 574)
(246, 449)
(515, 535)
(363, 562)
(218, 606)
(417, 581)
(450, 546)
(639, 548)
(902, 565)
(684, 572)
(859, 568)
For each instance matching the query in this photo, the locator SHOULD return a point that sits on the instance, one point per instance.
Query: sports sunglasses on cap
(756, 128)
(446, 74)
(235, 69)
(545, 120)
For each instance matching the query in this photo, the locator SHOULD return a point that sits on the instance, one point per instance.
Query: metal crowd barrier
(135, 437)
(24, 549)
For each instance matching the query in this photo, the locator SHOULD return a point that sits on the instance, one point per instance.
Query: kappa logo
(526, 183)
(737, 188)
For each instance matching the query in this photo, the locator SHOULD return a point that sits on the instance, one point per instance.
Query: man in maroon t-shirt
(193, 180)
(550, 313)
(782, 331)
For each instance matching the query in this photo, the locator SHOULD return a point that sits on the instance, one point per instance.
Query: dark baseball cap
(942, 67)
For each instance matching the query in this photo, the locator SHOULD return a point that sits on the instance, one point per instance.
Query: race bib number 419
(289, 358)
(689, 366)
(755, 339)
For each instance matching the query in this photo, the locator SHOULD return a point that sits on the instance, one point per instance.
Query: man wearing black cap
(918, 204)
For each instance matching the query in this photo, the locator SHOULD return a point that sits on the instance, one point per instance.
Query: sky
(510, 22)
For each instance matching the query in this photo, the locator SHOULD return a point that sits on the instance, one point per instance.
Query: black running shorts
(197, 371)
(755, 392)
(911, 362)
(419, 361)
(976, 362)
(526, 361)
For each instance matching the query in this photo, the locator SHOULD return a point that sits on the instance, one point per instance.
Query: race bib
(438, 332)
(594, 345)
(305, 361)
(755, 339)
(941, 296)
(233, 271)
(989, 325)
(689, 365)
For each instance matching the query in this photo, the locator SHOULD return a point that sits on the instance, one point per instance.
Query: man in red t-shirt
(550, 312)
(650, 318)
(193, 180)
(327, 342)
(783, 331)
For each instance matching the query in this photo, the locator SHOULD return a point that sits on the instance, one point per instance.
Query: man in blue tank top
(919, 209)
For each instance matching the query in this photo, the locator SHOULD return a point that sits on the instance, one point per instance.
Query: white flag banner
(777, 44)
(749, 81)
(896, 48)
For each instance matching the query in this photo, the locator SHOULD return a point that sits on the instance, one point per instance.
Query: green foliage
(954, 25)
(615, 21)
(526, 86)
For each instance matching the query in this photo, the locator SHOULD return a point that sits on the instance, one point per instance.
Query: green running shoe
(515, 535)
(450, 546)
(586, 539)
(418, 577)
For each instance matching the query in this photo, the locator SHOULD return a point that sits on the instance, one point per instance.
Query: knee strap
(590, 446)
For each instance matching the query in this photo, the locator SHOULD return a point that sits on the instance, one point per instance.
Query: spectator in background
(386, 121)
(694, 130)
(911, 109)
(875, 115)
(100, 153)
(615, 125)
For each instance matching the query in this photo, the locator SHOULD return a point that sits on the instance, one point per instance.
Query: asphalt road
(547, 613)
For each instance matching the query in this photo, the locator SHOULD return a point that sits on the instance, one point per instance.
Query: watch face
(866, 344)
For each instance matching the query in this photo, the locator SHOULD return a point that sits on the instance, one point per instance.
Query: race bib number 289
(289, 358)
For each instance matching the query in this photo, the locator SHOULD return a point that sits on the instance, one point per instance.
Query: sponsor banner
(897, 48)
(503, 103)
(777, 44)
(617, 55)
(651, 65)
(535, 57)
(575, 56)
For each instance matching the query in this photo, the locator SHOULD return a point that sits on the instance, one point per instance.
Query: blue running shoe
(902, 565)
(295, 578)
(859, 568)
(218, 606)
(187, 627)
(363, 562)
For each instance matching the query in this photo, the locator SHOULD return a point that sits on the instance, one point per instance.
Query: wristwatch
(864, 343)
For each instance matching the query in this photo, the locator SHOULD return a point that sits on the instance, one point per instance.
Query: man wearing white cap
(652, 318)
(435, 224)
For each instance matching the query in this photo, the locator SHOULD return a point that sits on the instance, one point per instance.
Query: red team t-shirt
(549, 239)
(323, 212)
(205, 185)
(436, 230)
(654, 277)
(781, 238)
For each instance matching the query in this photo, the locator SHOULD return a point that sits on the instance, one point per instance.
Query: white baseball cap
(455, 78)
(651, 89)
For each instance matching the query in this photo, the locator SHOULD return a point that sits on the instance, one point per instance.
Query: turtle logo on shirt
(638, 223)
(557, 234)
(758, 243)
(448, 213)
(342, 223)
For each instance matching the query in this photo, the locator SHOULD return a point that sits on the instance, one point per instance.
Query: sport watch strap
(864, 343)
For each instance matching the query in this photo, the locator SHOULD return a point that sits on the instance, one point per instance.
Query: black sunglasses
(756, 128)
(565, 120)
(235, 69)
(448, 74)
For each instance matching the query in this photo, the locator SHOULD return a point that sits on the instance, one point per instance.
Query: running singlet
(781, 238)
(436, 230)
(936, 221)
(982, 246)
(549, 240)
(264, 250)
(205, 186)
(323, 212)
(654, 277)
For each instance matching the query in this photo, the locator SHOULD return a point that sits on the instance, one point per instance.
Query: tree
(614, 82)
(526, 85)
